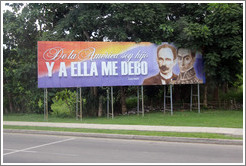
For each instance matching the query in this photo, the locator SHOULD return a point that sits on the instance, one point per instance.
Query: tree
(19, 36)
(214, 29)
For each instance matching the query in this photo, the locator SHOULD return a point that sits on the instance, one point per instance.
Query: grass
(128, 132)
(207, 118)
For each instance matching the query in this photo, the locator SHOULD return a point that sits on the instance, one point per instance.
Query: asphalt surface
(32, 148)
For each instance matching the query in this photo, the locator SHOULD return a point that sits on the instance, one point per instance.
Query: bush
(60, 109)
(131, 102)
(64, 104)
(232, 94)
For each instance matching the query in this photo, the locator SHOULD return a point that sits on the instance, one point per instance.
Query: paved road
(29, 148)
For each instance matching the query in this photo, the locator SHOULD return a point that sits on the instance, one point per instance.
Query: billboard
(90, 64)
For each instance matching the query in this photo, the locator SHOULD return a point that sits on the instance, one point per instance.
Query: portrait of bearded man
(166, 59)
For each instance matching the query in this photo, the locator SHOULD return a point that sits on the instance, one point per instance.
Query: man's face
(165, 60)
(185, 59)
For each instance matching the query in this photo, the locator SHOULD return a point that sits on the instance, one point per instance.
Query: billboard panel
(89, 64)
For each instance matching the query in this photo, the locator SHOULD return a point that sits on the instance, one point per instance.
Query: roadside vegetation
(207, 118)
(215, 29)
(128, 132)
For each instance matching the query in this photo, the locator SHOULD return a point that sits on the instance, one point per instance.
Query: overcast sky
(4, 7)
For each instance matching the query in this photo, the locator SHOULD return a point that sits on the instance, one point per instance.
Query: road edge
(130, 137)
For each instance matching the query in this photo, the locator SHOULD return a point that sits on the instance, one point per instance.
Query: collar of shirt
(166, 77)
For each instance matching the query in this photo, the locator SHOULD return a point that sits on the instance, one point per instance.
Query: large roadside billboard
(89, 64)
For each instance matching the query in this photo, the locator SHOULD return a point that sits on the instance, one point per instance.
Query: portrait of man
(166, 58)
(186, 59)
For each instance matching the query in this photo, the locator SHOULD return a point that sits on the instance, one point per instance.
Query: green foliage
(233, 94)
(19, 60)
(239, 81)
(215, 29)
(225, 23)
(64, 103)
(40, 103)
(131, 102)
(60, 109)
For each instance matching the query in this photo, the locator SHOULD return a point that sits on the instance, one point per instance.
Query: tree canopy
(216, 29)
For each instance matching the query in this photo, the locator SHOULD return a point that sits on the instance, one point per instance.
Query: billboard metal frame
(170, 96)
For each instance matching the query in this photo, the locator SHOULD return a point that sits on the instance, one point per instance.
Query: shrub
(64, 104)
(131, 102)
(60, 109)
(232, 94)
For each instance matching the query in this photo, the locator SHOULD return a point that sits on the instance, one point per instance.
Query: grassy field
(128, 132)
(207, 118)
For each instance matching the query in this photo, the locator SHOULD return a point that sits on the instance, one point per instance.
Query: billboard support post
(164, 111)
(171, 98)
(142, 101)
(138, 100)
(77, 100)
(80, 104)
(45, 104)
(198, 98)
(191, 94)
(47, 113)
(107, 103)
(112, 102)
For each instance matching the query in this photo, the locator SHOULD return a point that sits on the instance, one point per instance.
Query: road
(29, 148)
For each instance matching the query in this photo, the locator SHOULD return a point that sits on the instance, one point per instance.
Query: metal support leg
(198, 97)
(164, 111)
(112, 102)
(171, 99)
(77, 100)
(191, 94)
(45, 104)
(107, 103)
(142, 101)
(47, 111)
(80, 102)
(138, 100)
